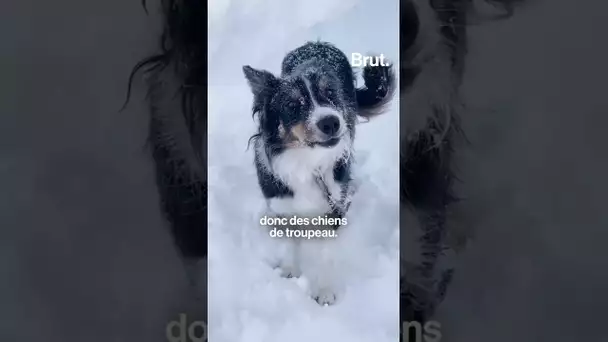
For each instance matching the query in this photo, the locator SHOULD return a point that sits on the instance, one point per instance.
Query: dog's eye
(328, 94)
(295, 103)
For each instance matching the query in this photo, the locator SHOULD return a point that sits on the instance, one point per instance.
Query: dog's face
(304, 110)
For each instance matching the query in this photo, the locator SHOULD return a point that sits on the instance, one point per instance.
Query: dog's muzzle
(329, 125)
(330, 128)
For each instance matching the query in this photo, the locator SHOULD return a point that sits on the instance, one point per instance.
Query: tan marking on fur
(296, 136)
(299, 132)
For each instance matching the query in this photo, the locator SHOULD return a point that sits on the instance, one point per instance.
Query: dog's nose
(329, 125)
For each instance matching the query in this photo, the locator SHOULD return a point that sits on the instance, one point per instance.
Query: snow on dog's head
(301, 110)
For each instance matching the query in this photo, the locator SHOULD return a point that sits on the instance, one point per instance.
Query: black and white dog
(304, 143)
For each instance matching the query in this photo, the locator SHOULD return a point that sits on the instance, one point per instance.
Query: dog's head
(302, 110)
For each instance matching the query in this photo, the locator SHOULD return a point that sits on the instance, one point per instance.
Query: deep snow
(248, 300)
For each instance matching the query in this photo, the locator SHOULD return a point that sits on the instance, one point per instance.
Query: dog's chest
(302, 170)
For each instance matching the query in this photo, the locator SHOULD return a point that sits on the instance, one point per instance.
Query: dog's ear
(260, 81)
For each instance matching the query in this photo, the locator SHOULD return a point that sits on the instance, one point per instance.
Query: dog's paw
(325, 297)
(288, 271)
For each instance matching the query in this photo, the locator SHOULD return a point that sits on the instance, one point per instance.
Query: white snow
(248, 300)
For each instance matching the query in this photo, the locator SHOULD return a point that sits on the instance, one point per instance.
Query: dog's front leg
(288, 255)
(289, 261)
(320, 267)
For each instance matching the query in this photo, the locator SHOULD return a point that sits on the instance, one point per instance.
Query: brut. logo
(181, 331)
(429, 332)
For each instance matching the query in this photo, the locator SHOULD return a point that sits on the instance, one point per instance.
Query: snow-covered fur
(433, 51)
(304, 144)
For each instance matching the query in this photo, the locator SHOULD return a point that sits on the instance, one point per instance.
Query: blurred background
(84, 254)
(535, 179)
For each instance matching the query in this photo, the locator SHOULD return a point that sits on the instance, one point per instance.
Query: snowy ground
(248, 300)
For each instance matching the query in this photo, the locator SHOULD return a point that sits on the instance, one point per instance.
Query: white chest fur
(299, 169)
